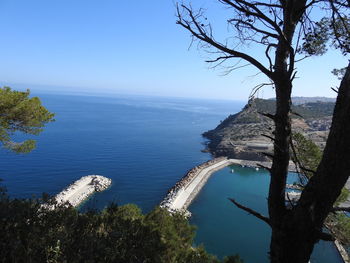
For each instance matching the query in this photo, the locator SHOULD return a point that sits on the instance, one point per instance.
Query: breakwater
(80, 190)
(180, 196)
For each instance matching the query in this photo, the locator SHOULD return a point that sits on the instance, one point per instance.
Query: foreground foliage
(30, 233)
(19, 113)
(341, 226)
(307, 154)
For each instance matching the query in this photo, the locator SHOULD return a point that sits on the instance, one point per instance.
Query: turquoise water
(225, 229)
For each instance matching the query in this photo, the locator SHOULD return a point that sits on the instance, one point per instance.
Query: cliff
(240, 136)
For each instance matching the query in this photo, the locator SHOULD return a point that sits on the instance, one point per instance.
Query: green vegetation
(344, 195)
(233, 259)
(307, 110)
(314, 109)
(250, 113)
(29, 233)
(267, 106)
(309, 156)
(19, 113)
(307, 153)
(340, 222)
(32, 233)
(341, 226)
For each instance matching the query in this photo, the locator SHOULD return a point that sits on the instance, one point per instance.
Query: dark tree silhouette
(280, 27)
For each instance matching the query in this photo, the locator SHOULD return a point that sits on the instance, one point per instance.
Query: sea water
(145, 145)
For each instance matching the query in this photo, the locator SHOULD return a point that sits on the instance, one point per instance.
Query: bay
(145, 145)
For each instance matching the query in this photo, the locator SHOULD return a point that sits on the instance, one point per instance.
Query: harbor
(181, 195)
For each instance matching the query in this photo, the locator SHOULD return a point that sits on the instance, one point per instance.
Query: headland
(246, 134)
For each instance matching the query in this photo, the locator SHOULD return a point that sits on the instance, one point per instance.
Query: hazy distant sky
(128, 47)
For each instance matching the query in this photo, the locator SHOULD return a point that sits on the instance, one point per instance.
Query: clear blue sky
(126, 47)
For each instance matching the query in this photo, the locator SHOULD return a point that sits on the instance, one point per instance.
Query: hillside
(241, 135)
(303, 100)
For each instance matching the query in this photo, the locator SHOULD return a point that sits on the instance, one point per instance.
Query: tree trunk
(290, 244)
(294, 237)
(282, 133)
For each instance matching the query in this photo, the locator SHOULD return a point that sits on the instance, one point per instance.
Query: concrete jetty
(81, 189)
(182, 194)
(342, 251)
(188, 193)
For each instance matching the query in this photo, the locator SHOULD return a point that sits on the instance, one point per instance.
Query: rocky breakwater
(81, 189)
(183, 192)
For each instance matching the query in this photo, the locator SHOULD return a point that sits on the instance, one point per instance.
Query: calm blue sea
(145, 145)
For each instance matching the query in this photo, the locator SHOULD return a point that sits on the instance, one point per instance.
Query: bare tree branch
(257, 88)
(245, 6)
(269, 137)
(335, 90)
(268, 56)
(268, 115)
(263, 166)
(240, 22)
(269, 155)
(326, 237)
(251, 211)
(219, 58)
(198, 31)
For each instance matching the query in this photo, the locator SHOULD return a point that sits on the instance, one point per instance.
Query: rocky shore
(81, 189)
